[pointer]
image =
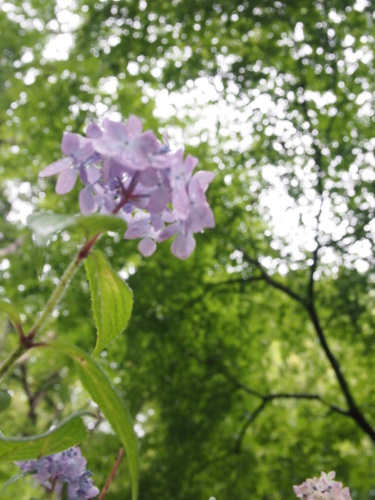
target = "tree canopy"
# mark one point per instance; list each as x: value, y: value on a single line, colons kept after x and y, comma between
x: 249, y: 366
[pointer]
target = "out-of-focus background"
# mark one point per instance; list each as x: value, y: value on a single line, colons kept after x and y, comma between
x: 249, y: 366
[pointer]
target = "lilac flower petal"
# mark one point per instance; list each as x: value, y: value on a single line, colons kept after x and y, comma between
x: 85, y: 150
x: 159, y: 195
x: 93, y: 131
x: 82, y: 172
x: 117, y: 130
x: 149, y: 177
x: 134, y: 125
x: 157, y: 223
x: 56, y: 167
x: 111, y: 169
x: 66, y: 181
x: 189, y: 165
x: 322, y: 487
x: 87, y: 201
x: 168, y: 232
x: 106, y: 146
x: 69, y: 144
x: 93, y: 174
x: 180, y: 203
x: 204, y: 177
x: 183, y: 246
x: 137, y: 229
x: 159, y: 199
x: 65, y: 470
x: 196, y: 192
x: 168, y: 216
x: 149, y: 142
x: 147, y: 247
x: 200, y: 217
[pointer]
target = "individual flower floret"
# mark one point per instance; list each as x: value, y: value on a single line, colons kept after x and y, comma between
x: 78, y: 150
x: 65, y: 468
x: 322, y: 488
x: 128, y: 172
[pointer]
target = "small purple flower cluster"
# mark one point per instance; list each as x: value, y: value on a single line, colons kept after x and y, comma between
x: 322, y: 488
x: 67, y: 467
x: 130, y: 173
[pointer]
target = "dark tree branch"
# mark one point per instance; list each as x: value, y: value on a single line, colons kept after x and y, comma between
x: 270, y: 280
x: 354, y: 410
x: 280, y: 395
x: 208, y: 287
x: 309, y: 305
x: 249, y: 420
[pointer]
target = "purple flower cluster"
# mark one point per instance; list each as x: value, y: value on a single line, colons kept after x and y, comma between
x: 130, y: 173
x: 67, y: 467
x: 322, y: 488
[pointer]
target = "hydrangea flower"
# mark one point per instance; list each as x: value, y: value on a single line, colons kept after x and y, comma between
x: 128, y: 172
x: 65, y: 468
x: 322, y: 488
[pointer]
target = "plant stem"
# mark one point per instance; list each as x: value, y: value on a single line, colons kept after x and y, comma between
x: 16, y: 354
x: 27, y: 342
x: 112, y: 474
x: 57, y: 293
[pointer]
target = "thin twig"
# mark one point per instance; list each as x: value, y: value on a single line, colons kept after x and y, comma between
x: 112, y: 474
x: 269, y: 279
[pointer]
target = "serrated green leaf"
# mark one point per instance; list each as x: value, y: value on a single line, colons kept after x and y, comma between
x: 11, y: 312
x: 5, y: 400
x: 67, y: 434
x: 112, y: 300
x: 100, y: 389
x: 96, y: 223
x: 44, y: 226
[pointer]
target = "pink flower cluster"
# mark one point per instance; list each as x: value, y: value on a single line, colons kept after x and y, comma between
x: 128, y: 172
x: 322, y: 488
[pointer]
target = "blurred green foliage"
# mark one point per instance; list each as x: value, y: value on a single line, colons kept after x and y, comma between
x: 292, y: 84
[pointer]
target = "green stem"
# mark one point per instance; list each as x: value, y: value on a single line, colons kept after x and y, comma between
x: 21, y: 349
x: 26, y: 342
x: 56, y: 295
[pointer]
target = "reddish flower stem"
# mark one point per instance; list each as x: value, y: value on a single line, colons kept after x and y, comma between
x: 112, y: 474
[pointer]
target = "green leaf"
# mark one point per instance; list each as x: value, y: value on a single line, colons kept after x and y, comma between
x: 67, y: 434
x: 96, y: 223
x: 15, y: 478
x: 11, y: 312
x: 44, y: 226
x: 112, y: 300
x: 100, y: 389
x: 4, y: 400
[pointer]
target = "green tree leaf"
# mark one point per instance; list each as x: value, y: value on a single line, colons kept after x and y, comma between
x: 11, y: 312
x: 96, y: 223
x: 44, y: 226
x: 15, y: 478
x: 112, y: 300
x: 100, y: 389
x: 67, y: 434
x: 4, y: 400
